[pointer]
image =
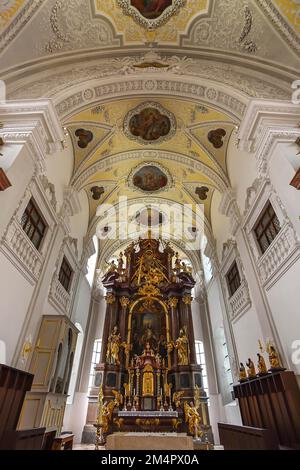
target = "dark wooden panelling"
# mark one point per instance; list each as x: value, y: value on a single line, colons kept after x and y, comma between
x: 247, y: 438
x: 272, y: 402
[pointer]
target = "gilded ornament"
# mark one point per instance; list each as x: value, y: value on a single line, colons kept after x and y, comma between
x: 124, y: 301
x: 110, y: 299
x: 187, y: 300
x: 149, y: 290
x: 173, y: 302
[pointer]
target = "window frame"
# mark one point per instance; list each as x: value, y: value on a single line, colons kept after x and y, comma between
x: 233, y: 289
x: 34, y: 224
x: 260, y: 223
x: 96, y: 356
x: 67, y: 276
x: 201, y: 361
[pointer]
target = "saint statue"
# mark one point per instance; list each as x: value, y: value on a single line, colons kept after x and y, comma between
x: 273, y: 358
x: 261, y: 365
x: 243, y: 374
x: 112, y: 267
x: 113, y: 347
x: 177, y: 265
x: 120, y: 264
x: 193, y: 419
x: 183, y: 348
x: 251, y: 369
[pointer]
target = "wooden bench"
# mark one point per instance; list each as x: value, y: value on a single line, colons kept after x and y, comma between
x: 63, y: 442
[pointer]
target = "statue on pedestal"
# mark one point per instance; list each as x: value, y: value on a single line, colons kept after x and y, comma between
x: 274, y: 358
x: 251, y: 369
x: 243, y: 374
x: 261, y: 365
x: 193, y: 419
x: 113, y: 347
x: 183, y: 348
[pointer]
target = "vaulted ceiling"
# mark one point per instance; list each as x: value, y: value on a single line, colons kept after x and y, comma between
x: 200, y: 61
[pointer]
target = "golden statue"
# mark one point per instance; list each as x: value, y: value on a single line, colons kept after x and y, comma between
x: 193, y: 419
x: 107, y: 411
x: 127, y: 349
x: 261, y: 365
x: 183, y: 348
x: 251, y: 369
x: 273, y: 358
x: 243, y: 373
x: 176, y: 399
x: 120, y: 263
x: 113, y: 347
x: 127, y: 390
x: 177, y: 265
x: 112, y: 267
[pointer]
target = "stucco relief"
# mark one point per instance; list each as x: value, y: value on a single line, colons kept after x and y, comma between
x: 73, y: 27
x: 50, y: 85
x: 220, y: 31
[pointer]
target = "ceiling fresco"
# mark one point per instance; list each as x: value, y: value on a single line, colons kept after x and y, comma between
x: 131, y: 21
x: 129, y: 168
x: 290, y: 10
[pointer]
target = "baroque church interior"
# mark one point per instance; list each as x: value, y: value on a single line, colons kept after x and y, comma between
x: 149, y: 224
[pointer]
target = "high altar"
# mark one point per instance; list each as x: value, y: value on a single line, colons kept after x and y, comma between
x: 148, y: 375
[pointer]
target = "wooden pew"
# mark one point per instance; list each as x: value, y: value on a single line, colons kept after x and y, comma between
x: 247, y: 438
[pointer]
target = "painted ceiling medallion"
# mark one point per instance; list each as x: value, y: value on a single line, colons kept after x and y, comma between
x: 149, y: 123
x: 150, y: 178
x: 151, y: 14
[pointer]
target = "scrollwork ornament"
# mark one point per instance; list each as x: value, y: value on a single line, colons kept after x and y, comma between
x: 110, y: 299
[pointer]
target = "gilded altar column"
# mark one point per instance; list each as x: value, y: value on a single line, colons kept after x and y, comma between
x: 108, y: 325
x: 187, y: 301
x: 124, y: 301
x: 173, y: 304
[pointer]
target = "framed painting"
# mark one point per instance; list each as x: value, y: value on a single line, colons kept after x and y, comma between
x: 151, y: 13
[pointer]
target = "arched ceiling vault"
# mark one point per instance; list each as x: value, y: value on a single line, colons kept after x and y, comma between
x: 201, y: 63
x: 191, y: 156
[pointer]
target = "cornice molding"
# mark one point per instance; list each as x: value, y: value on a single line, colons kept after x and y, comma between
x: 34, y: 124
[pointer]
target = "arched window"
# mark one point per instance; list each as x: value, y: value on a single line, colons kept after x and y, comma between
x: 91, y: 265
x: 200, y: 357
x: 76, y: 364
x: 95, y: 360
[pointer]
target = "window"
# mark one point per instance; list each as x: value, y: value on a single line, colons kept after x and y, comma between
x: 65, y: 275
x: 91, y: 265
x: 200, y: 357
x: 33, y: 224
x: 95, y: 360
x: 267, y: 228
x: 233, y: 279
x: 227, y: 365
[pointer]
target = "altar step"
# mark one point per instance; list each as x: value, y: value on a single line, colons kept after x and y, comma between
x: 149, y: 441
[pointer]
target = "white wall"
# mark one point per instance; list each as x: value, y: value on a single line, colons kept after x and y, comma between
x: 15, y: 294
